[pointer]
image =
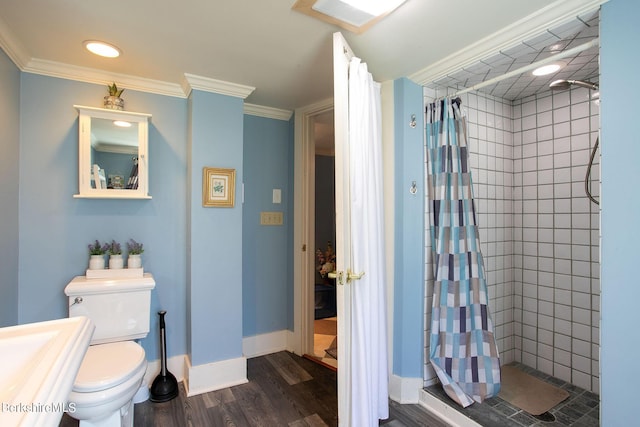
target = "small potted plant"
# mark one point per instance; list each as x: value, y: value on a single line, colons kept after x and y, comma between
x: 113, y: 100
x: 96, y: 255
x: 115, y: 255
x: 134, y: 249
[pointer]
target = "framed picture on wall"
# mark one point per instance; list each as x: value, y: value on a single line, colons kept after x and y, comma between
x: 218, y: 187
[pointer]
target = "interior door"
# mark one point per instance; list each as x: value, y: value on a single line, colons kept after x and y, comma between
x: 342, y: 54
x: 362, y: 343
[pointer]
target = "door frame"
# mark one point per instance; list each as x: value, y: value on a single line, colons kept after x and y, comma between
x: 304, y: 226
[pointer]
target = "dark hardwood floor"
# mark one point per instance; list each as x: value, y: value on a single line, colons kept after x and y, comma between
x: 283, y: 390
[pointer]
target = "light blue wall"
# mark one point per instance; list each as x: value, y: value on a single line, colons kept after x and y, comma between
x: 408, y: 312
x: 195, y: 253
x: 267, y: 250
x: 620, y: 346
x: 55, y: 228
x: 9, y: 186
x: 215, y: 261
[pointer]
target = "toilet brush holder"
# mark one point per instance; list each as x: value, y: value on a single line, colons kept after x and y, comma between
x: 165, y: 386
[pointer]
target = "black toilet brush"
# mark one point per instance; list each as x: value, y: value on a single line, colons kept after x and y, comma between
x: 165, y: 386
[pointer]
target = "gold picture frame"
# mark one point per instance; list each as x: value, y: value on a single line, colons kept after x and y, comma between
x: 218, y: 187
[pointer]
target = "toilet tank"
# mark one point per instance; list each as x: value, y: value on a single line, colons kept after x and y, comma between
x: 119, y: 308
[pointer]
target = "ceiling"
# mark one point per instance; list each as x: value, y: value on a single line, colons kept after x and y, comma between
x: 573, y: 34
x: 285, y: 55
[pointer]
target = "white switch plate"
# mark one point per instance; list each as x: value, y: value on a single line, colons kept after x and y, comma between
x: 277, y: 195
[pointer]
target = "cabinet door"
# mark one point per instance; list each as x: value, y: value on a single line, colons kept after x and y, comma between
x: 113, y: 158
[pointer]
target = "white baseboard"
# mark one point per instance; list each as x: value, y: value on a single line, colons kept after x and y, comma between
x: 175, y: 365
x: 405, y: 390
x: 272, y: 342
x: 445, y: 412
x: 214, y: 376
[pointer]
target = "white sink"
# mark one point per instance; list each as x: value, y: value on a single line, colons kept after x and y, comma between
x: 38, y: 365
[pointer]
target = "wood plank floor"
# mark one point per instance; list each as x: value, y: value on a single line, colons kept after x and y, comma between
x: 283, y: 390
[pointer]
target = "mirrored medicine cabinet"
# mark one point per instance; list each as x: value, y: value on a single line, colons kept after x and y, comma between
x: 113, y: 157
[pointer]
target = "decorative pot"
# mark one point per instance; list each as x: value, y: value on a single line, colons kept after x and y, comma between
x: 96, y: 262
x: 134, y: 261
x: 116, y: 262
x: 113, y: 102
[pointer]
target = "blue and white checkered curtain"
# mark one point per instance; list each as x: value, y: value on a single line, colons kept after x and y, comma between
x: 463, y: 350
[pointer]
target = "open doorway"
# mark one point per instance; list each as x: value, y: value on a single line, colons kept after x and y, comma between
x: 324, y: 231
x: 314, y: 132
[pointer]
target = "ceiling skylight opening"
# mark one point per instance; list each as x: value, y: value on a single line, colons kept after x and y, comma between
x: 354, y: 15
x: 102, y: 49
x: 374, y: 7
x: 547, y: 69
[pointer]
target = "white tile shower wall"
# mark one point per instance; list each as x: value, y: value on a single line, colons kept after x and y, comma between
x: 555, y: 251
x: 539, y: 233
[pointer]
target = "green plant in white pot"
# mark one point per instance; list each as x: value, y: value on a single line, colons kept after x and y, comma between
x: 96, y: 255
x: 113, y: 101
x: 134, y: 249
x: 115, y: 255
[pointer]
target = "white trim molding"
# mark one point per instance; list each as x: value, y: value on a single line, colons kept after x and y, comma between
x: 206, y: 84
x: 12, y: 47
x: 405, y: 390
x: 93, y: 75
x: 214, y: 376
x: 268, y: 112
x: 555, y: 14
x: 304, y: 218
x: 446, y: 413
x: 272, y: 342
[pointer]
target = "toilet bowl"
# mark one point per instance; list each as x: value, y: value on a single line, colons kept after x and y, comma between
x: 113, y: 368
x: 109, y: 377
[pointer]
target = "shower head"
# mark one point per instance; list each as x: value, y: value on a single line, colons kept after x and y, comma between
x: 566, y: 84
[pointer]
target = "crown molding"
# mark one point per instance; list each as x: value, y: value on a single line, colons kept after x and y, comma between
x: 555, y: 14
x: 268, y: 112
x: 12, y: 47
x: 92, y: 75
x: 23, y: 60
x: 191, y: 82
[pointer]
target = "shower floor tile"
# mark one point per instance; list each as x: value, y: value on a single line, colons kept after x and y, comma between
x: 581, y: 409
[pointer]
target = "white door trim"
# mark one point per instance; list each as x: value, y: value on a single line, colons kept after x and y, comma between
x: 304, y: 225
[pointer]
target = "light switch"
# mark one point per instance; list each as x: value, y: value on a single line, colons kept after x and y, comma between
x: 277, y: 195
x: 271, y: 218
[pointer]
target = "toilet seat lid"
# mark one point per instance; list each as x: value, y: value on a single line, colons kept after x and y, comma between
x: 107, y: 365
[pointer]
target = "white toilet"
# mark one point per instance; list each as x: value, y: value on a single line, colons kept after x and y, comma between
x: 114, y: 365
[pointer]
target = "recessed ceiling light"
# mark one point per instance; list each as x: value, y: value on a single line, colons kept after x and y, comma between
x: 122, y: 123
x: 546, y: 69
x: 101, y: 48
x: 558, y: 47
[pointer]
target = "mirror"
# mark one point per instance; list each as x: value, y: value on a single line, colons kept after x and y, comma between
x: 113, y: 155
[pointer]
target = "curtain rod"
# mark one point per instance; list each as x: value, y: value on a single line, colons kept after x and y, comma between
x: 529, y: 67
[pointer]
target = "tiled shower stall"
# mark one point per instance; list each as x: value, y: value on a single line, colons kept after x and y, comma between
x: 539, y: 232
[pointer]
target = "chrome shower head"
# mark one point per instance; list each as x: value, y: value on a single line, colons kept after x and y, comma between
x: 566, y: 84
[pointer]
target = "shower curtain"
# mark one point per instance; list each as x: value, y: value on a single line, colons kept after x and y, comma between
x: 369, y: 379
x: 463, y: 350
